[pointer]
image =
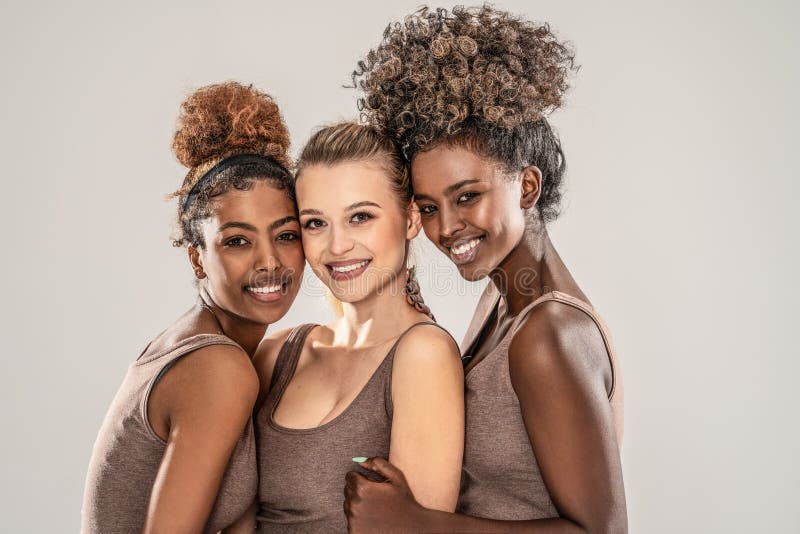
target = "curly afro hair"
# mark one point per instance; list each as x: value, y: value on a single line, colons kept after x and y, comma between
x: 478, y: 77
x: 219, y: 121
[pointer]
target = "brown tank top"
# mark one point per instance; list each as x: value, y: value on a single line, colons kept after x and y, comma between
x: 127, y: 454
x: 501, y: 478
x: 302, y: 471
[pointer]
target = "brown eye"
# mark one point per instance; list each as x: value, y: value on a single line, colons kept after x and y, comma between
x: 466, y: 197
x: 361, y: 217
x: 236, y: 242
x: 288, y: 236
x: 427, y: 209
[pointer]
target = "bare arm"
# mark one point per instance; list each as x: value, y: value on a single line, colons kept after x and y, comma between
x: 427, y: 440
x: 559, y: 369
x: 205, y: 401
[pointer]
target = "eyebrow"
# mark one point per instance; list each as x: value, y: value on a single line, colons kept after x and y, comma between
x: 281, y: 222
x: 353, y: 206
x: 251, y: 228
x: 362, y: 204
x: 236, y: 224
x: 456, y: 186
x: 459, y: 185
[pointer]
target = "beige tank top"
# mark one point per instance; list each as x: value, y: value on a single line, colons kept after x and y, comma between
x: 501, y: 478
x: 128, y: 452
x: 302, y: 471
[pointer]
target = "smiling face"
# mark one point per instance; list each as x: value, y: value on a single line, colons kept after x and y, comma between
x: 355, y: 231
x: 252, y: 255
x: 470, y: 207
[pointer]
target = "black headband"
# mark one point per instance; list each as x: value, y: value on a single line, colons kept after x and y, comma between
x: 225, y: 164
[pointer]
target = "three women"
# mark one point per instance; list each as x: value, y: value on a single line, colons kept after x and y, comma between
x: 464, y: 95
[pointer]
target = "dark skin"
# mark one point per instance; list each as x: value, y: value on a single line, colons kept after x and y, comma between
x: 558, y: 361
x: 201, y: 405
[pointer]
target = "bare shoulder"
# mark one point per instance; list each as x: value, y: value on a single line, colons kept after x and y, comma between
x: 427, y: 344
x: 215, y: 374
x: 426, y: 350
x: 558, y: 342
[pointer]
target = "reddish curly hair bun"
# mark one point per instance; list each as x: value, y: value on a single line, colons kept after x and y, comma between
x: 224, y: 119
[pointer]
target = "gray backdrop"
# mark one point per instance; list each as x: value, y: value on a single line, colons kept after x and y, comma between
x: 679, y: 224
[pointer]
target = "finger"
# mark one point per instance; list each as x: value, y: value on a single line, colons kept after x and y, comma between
x: 351, y: 483
x: 384, y: 468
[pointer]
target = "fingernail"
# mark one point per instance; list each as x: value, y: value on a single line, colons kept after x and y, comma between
x: 360, y: 459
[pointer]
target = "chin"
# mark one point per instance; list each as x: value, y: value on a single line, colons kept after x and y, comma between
x: 473, y: 274
x: 348, y: 298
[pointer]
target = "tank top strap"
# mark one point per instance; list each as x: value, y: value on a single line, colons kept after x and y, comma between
x: 586, y: 308
x: 487, y: 304
x: 185, y: 346
x: 286, y: 363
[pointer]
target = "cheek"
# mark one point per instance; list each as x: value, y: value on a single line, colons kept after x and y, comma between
x: 312, y: 247
x: 389, y: 240
x: 430, y: 225
x: 510, y: 221
x: 224, y: 269
x: 292, y: 257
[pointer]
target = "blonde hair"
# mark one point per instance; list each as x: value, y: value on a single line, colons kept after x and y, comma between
x: 349, y: 141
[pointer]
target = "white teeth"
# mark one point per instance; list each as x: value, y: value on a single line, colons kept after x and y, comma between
x: 348, y: 268
x: 466, y: 247
x: 266, y: 289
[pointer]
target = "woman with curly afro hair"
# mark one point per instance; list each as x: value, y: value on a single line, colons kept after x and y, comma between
x: 465, y: 93
x: 176, y: 452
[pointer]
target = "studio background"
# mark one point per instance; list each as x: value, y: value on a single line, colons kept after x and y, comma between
x: 679, y: 222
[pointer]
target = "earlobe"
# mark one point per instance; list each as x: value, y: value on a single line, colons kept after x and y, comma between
x: 196, y: 262
x: 414, y: 221
x: 531, y: 187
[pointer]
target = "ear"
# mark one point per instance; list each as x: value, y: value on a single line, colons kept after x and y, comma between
x: 196, y: 261
x: 414, y: 220
x: 531, y: 184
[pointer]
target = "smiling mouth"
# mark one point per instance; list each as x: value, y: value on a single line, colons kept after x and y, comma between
x: 347, y: 270
x: 268, y: 292
x: 464, y: 250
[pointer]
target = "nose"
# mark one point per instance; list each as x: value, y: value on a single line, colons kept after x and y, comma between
x: 340, y: 243
x: 266, y: 259
x: 450, y: 223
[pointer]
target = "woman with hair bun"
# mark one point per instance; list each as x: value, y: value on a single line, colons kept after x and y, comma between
x: 176, y: 451
x: 383, y: 379
x: 465, y: 93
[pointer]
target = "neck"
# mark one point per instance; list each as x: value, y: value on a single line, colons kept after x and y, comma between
x: 246, y: 333
x: 376, y: 318
x: 531, y: 269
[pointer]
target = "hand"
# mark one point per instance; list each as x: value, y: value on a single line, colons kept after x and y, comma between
x: 387, y: 506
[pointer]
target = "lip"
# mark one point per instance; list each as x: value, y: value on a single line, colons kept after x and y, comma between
x: 272, y: 296
x: 468, y: 256
x: 349, y: 275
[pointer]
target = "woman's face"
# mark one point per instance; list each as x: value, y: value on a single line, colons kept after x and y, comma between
x: 470, y: 208
x: 252, y: 258
x: 354, y: 230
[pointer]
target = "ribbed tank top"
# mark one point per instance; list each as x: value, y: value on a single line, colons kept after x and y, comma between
x: 127, y: 454
x: 500, y: 478
x: 302, y: 471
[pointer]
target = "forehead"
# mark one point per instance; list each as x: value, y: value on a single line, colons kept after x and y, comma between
x: 262, y: 202
x: 434, y: 170
x: 334, y: 187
